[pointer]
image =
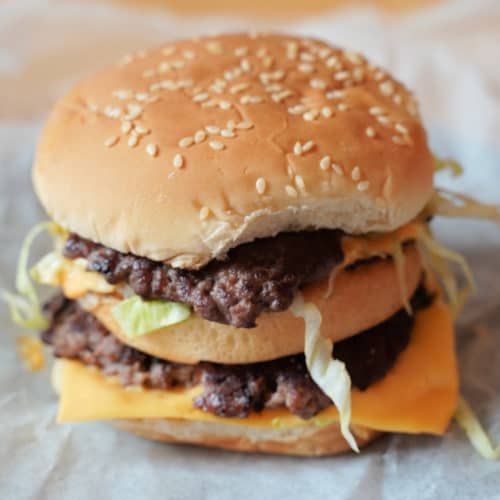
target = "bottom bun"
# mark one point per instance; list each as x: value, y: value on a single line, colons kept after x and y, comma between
x: 307, y: 441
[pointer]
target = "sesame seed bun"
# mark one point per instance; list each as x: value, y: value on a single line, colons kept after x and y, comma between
x: 372, y: 288
x: 307, y: 440
x: 183, y: 152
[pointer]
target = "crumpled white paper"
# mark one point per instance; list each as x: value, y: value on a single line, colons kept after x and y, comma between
x: 450, y: 56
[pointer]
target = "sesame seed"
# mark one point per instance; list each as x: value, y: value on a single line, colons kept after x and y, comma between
x: 209, y: 104
x: 332, y: 61
x: 358, y: 74
x: 155, y: 86
x: 363, y: 185
x: 317, y: 83
x: 227, y: 133
x: 379, y: 75
x: 305, y: 68
x: 335, y: 94
x: 188, y: 54
x: 307, y: 57
x: 152, y: 149
x: 202, y: 96
x: 251, y: 99
x: 240, y: 51
x: 112, y: 111
x: 185, y: 83
x: 212, y: 129
x: 297, y: 109
x: 273, y: 87
x: 396, y: 139
x: 133, y: 141
x: 370, y: 131
x: 290, y: 171
x: 185, y: 142
x: 326, y: 111
x: 341, y: 75
x: 280, y: 96
x: 199, y: 136
x: 141, y: 96
x: 231, y: 124
x: 324, y: 163
x: 291, y: 191
x: 384, y: 120
x: 386, y: 88
x: 214, y: 47
x: 244, y: 125
x: 216, y: 145
x: 308, y: 146
x: 268, y: 61
x: 342, y: 106
x: 356, y: 173
x: 374, y: 110
x: 126, y: 127
x: 297, y: 149
x: 245, y: 65
x: 164, y: 66
x: 397, y: 99
x: 401, y: 128
x: 299, y: 182
x: 168, y: 51
x: 204, y: 213
x: 122, y: 94
x: 262, y: 52
x: 168, y: 85
x: 225, y: 105
x: 141, y: 129
x: 354, y: 57
x: 260, y: 185
x: 337, y: 169
x: 111, y: 141
x: 310, y: 115
x: 178, y: 161
x: 238, y: 87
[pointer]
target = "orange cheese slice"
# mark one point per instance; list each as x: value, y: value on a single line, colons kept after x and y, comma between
x: 418, y: 395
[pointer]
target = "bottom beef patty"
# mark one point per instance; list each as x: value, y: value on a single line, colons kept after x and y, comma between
x: 230, y: 390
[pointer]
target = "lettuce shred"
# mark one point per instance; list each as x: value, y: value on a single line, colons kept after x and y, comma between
x: 138, y: 317
x: 330, y: 374
x: 451, y: 204
x: 24, y: 307
x: 475, y: 432
x: 453, y: 166
x: 440, y: 257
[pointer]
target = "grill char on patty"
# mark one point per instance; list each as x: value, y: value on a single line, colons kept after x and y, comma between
x: 254, y: 278
x: 230, y: 390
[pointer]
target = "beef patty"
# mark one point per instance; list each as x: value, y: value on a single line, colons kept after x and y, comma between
x: 230, y: 390
x: 255, y: 277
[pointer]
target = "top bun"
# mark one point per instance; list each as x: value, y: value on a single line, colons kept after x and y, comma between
x: 183, y: 152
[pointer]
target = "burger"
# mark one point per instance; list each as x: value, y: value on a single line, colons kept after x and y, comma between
x: 241, y: 240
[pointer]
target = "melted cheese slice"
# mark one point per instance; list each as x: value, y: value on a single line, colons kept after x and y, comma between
x: 418, y: 395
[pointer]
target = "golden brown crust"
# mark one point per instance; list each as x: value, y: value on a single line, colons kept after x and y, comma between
x: 369, y: 166
x: 372, y: 288
x: 308, y: 441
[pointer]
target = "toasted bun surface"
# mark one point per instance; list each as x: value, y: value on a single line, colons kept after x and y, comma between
x: 361, y: 298
x: 186, y: 151
x: 301, y: 441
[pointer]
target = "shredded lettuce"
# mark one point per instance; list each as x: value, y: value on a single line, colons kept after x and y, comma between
x: 453, y: 166
x: 475, y: 432
x: 24, y: 306
x: 440, y: 256
x: 451, y: 204
x: 330, y: 374
x: 138, y: 317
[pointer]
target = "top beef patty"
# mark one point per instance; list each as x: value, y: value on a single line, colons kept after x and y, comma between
x: 256, y: 277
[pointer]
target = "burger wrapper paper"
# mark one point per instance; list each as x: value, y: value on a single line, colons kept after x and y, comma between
x: 449, y: 55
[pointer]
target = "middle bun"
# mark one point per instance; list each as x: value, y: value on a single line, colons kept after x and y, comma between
x: 371, y: 287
